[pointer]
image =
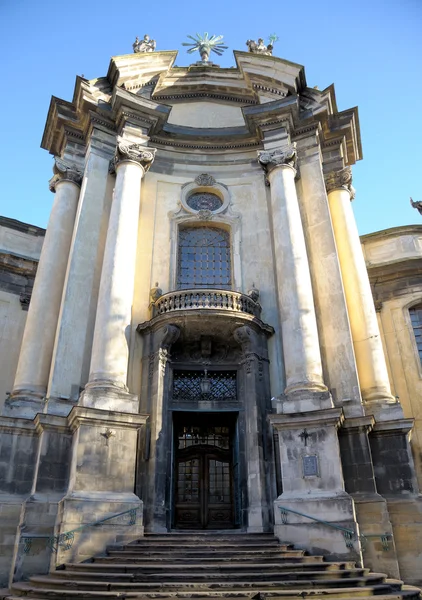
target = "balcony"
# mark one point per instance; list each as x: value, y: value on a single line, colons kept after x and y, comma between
x: 215, y: 300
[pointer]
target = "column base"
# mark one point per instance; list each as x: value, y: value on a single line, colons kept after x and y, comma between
x: 303, y: 400
x: 384, y: 409
x: 319, y: 538
x: 61, y: 407
x: 24, y: 404
x: 109, y: 397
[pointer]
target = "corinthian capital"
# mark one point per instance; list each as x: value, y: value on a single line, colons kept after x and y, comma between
x: 127, y: 152
x: 270, y: 159
x: 64, y: 172
x: 340, y: 180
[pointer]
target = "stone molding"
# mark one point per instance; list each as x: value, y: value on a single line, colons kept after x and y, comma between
x: 318, y: 418
x: 340, y: 180
x: 136, y: 153
x: 64, y: 172
x: 280, y: 157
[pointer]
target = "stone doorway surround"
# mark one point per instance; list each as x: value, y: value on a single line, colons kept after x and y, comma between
x: 191, y: 337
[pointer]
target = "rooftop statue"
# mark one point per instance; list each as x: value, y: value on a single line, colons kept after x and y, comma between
x: 417, y: 205
x: 260, y: 48
x: 205, y: 45
x: 145, y: 45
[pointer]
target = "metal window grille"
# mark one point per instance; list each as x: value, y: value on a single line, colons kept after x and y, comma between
x: 416, y: 319
x: 187, y: 386
x: 204, y: 201
x: 204, y: 259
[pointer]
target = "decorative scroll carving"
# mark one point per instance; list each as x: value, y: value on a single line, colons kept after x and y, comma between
x: 417, y: 205
x: 247, y: 339
x: 64, y: 172
x: 271, y: 159
x: 171, y: 335
x: 204, y: 215
x: 125, y: 151
x: 340, y: 180
x: 155, y: 293
x: 145, y: 45
x: 205, y: 180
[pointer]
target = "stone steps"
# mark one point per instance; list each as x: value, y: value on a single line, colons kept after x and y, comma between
x: 186, y: 566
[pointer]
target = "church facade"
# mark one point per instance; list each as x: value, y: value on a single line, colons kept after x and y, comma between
x: 208, y: 343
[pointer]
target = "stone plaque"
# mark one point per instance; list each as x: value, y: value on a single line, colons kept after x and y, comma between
x: 310, y: 465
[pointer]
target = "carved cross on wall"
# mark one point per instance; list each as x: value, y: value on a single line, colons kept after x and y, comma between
x: 304, y: 436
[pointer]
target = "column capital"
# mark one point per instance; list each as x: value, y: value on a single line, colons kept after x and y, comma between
x: 64, y: 172
x: 137, y: 153
x: 340, y: 180
x: 279, y: 157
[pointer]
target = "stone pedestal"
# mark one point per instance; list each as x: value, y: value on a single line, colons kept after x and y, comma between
x: 378, y: 545
x: 18, y: 453
x: 31, y: 378
x: 101, y: 483
x: 313, y: 486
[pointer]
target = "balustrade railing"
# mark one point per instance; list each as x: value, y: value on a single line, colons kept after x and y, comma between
x: 224, y: 300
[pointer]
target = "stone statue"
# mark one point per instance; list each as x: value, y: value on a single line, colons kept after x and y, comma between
x: 145, y: 45
x: 260, y: 48
x: 205, y: 45
x: 417, y: 205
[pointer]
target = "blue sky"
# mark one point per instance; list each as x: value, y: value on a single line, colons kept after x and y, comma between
x: 370, y: 49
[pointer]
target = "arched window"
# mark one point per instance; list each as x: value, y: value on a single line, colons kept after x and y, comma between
x: 416, y: 319
x: 204, y: 259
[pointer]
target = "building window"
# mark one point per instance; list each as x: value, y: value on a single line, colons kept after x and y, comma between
x: 204, y: 259
x: 416, y: 319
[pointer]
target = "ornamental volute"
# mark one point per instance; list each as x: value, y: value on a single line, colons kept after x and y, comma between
x: 64, y: 172
x: 340, y: 180
x: 279, y: 157
x: 136, y: 153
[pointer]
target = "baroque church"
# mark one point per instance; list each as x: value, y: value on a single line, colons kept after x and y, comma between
x: 200, y: 341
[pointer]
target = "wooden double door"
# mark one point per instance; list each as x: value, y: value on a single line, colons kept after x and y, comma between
x: 204, y: 488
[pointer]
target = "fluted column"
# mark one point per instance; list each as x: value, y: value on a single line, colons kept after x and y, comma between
x: 370, y: 360
x: 38, y: 340
x: 297, y: 312
x: 110, y: 351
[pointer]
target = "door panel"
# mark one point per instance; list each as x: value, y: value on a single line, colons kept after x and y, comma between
x: 204, y: 489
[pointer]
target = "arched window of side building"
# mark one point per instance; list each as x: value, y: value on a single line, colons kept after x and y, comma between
x: 204, y: 258
x: 416, y: 320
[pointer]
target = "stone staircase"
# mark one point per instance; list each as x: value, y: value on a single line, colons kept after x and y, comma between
x: 211, y: 566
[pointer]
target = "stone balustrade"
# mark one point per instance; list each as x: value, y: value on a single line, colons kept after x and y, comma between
x: 205, y: 299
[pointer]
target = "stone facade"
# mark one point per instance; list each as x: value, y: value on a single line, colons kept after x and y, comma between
x: 202, y: 349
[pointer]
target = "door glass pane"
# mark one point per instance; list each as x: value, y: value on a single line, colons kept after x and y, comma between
x: 219, y: 482
x: 188, y: 481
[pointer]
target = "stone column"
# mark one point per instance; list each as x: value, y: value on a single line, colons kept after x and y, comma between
x: 110, y: 349
x: 302, y: 356
x: 37, y: 345
x: 370, y: 360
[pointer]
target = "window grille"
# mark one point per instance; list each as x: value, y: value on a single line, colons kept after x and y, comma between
x: 204, y: 201
x: 416, y: 319
x: 187, y: 386
x: 204, y: 259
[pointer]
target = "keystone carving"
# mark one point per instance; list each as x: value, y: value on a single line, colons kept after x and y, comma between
x: 205, y: 180
x: 340, y: 180
x: 270, y: 159
x: 64, y: 172
x: 125, y: 151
